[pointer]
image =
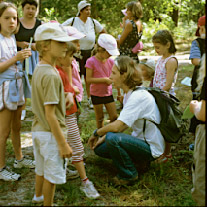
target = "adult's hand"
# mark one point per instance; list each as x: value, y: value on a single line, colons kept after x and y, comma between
x: 92, y: 141
x: 100, y: 141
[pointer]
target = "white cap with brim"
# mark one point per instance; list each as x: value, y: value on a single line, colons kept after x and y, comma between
x: 148, y: 62
x: 82, y: 5
x: 108, y: 42
x: 52, y: 31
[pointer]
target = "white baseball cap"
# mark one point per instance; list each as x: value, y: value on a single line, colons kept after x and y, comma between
x: 108, y: 42
x: 73, y: 32
x: 81, y: 5
x: 52, y: 31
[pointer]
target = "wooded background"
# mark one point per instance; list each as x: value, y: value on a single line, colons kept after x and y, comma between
x: 179, y: 16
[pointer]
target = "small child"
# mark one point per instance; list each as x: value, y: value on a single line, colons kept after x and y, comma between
x: 76, y: 80
x: 98, y: 71
x: 196, y: 52
x: 166, y: 71
x: 73, y: 135
x: 48, y: 105
x: 148, y: 69
x: 14, y: 88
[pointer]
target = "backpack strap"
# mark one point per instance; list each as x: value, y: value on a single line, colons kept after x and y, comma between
x: 93, y: 24
x: 72, y: 21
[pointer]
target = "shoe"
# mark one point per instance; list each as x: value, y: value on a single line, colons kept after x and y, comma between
x: 191, y: 147
x: 90, y: 105
x: 120, y: 182
x: 24, y: 163
x: 72, y: 174
x: 23, y: 115
x: 39, y: 199
x: 89, y: 190
x: 7, y: 175
x: 163, y: 158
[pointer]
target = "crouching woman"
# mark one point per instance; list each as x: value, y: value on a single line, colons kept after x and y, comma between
x: 146, y: 142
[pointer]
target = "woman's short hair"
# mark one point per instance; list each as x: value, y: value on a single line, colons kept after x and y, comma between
x: 163, y: 37
x: 128, y: 66
x: 136, y: 8
x: 31, y: 2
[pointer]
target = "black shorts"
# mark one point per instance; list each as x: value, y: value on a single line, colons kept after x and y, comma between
x: 102, y: 100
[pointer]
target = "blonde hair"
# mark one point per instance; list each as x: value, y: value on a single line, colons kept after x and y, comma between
x: 40, y: 45
x: 128, y: 66
x: 136, y: 8
x: 201, y: 73
x: 71, y: 48
x: 4, y: 6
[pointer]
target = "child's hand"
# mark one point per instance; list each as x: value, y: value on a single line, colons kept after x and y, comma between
x: 194, y: 104
x: 23, y: 54
x: 108, y: 81
x: 76, y: 90
x: 69, y: 100
x: 65, y: 150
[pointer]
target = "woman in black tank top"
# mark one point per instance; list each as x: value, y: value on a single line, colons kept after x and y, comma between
x: 27, y: 27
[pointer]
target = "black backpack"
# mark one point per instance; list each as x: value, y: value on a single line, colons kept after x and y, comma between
x: 171, y: 126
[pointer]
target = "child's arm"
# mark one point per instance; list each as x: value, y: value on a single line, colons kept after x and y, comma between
x: 90, y: 79
x: 195, y: 61
x: 171, y: 67
x: 126, y: 31
x: 64, y: 148
x: 21, y: 55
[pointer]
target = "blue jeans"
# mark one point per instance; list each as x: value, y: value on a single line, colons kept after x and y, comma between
x: 124, y: 150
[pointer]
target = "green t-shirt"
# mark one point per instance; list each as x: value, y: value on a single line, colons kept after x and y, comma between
x: 47, y: 89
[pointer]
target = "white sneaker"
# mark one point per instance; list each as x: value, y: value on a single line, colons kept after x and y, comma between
x: 89, y: 190
x: 23, y: 115
x: 72, y: 174
x: 90, y: 105
x: 7, y: 175
x: 39, y: 199
x: 24, y: 163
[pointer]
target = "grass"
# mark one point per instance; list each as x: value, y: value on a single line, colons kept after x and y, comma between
x: 167, y: 184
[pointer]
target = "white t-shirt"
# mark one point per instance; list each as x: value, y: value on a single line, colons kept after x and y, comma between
x: 8, y: 49
x: 86, y: 28
x: 138, y: 106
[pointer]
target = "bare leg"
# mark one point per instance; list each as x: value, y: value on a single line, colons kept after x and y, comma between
x: 87, y: 87
x: 48, y: 192
x: 5, y: 123
x: 111, y: 109
x: 81, y: 169
x: 99, y: 115
x: 167, y: 148
x: 39, y: 180
x: 15, y: 129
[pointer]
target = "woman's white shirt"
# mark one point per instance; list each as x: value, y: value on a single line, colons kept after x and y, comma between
x: 86, y: 28
x: 140, y: 105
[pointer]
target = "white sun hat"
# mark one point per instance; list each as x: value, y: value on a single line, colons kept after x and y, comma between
x: 81, y: 5
x: 52, y: 31
x: 108, y: 42
x: 73, y: 32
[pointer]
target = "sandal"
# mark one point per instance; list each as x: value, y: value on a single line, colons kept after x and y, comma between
x: 161, y: 159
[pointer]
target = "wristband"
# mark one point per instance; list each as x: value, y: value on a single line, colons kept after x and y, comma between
x: 95, y: 133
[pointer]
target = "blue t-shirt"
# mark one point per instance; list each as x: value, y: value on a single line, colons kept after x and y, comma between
x: 195, y: 51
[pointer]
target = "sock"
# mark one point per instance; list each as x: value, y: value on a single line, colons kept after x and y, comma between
x: 85, y: 180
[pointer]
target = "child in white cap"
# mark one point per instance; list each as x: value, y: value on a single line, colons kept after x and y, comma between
x: 98, y: 71
x: 48, y: 105
x: 148, y: 69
